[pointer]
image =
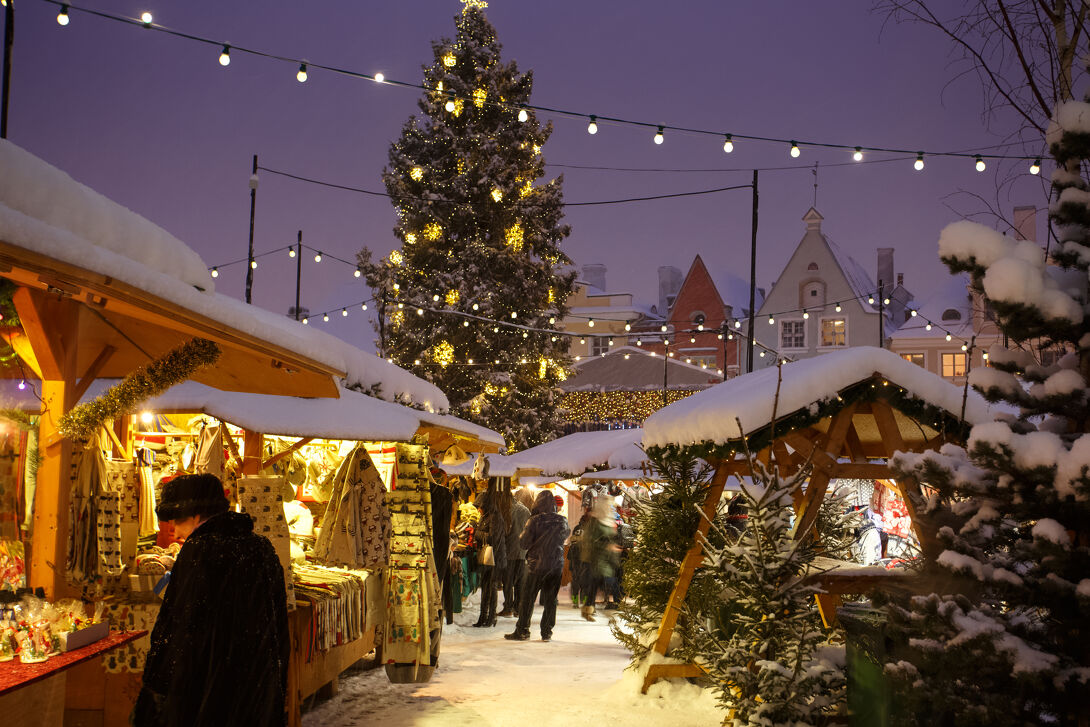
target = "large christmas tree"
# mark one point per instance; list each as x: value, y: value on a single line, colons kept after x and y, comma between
x: 471, y: 299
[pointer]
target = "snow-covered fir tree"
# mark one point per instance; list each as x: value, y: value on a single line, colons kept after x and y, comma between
x: 471, y: 299
x: 1003, y: 639
x: 665, y: 526
x: 764, y: 646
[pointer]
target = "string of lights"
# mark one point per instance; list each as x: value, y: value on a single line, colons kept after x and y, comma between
x: 305, y: 67
x: 292, y: 252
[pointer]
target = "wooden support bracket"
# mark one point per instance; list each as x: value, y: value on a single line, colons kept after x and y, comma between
x: 287, y: 452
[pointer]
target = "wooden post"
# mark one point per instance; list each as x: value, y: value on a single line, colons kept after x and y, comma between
x: 689, y: 564
x: 253, y: 448
x: 51, y: 324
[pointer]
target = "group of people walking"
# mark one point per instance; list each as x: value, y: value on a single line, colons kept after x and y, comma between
x: 520, y: 549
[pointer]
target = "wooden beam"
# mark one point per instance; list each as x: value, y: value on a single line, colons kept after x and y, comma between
x: 690, y: 562
x: 286, y: 453
x: 23, y: 349
x: 819, y: 481
x: 887, y: 427
x: 827, y: 604
x: 40, y: 313
x: 855, y: 445
x: 231, y: 444
x: 92, y: 372
x: 859, y: 470
x: 253, y: 446
x: 670, y: 671
x: 117, y: 441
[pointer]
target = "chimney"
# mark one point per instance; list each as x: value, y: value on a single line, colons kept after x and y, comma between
x: 900, y: 280
x: 595, y: 275
x: 885, y: 268
x: 1025, y: 223
x: 669, y: 285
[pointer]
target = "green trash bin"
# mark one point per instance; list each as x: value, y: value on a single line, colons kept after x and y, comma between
x: 867, y: 652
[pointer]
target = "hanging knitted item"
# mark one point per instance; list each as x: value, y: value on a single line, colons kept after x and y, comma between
x: 356, y: 527
x: 262, y: 499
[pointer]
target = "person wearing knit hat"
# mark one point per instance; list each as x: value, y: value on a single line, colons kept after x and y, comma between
x: 219, y: 648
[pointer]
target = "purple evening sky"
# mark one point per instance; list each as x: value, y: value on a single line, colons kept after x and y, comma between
x: 156, y: 124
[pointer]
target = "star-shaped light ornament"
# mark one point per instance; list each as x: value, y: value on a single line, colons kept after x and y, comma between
x: 468, y: 5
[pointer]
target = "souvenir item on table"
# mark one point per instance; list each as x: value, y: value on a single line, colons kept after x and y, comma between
x: 413, y: 623
x: 339, y: 608
x: 262, y: 499
x: 12, y: 565
x: 356, y: 526
x: 7, y: 645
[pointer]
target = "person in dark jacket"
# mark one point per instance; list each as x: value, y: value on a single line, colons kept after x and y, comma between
x: 495, y: 507
x: 516, y: 559
x: 219, y: 648
x: 543, y: 538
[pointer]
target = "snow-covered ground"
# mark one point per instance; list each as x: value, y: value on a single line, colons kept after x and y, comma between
x: 483, y: 680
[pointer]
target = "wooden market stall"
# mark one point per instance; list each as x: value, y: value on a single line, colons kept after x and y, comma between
x: 280, y: 437
x: 844, y: 415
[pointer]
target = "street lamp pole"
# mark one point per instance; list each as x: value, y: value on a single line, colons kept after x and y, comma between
x: 250, y: 256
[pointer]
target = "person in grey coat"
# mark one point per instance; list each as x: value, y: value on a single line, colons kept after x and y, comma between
x: 543, y: 539
x: 516, y: 560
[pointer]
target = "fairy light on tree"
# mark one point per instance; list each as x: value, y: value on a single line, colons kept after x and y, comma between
x: 489, y: 248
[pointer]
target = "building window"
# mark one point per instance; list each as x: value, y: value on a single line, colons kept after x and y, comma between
x: 599, y: 345
x: 812, y: 294
x: 916, y: 358
x: 702, y: 360
x: 792, y: 334
x: 812, y: 266
x: 1051, y: 356
x: 950, y: 314
x: 953, y: 365
x: 834, y: 332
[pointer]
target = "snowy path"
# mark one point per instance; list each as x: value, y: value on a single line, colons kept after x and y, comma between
x: 483, y: 680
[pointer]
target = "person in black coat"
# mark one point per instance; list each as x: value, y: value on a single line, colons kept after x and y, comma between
x: 543, y: 538
x: 495, y: 507
x: 219, y: 648
x: 516, y: 559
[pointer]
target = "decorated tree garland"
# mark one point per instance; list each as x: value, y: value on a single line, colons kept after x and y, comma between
x: 147, y: 381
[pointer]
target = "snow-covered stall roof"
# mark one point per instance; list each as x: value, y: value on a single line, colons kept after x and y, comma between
x: 710, y: 416
x: 352, y: 416
x: 575, y: 453
x: 630, y: 368
x: 567, y: 455
x: 46, y: 212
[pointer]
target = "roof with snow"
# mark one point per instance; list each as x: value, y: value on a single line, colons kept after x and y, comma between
x: 569, y: 455
x: 952, y: 298
x: 631, y: 368
x: 810, y: 390
x: 56, y: 231
x: 352, y: 416
x: 734, y: 291
x: 857, y: 276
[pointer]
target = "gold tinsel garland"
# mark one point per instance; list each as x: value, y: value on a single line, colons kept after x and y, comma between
x: 147, y: 381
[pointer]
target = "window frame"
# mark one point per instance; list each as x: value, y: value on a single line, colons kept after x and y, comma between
x: 923, y: 358
x: 954, y: 356
x: 821, y: 332
x: 784, y: 322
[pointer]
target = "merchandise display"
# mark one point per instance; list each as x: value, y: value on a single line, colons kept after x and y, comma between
x: 33, y: 630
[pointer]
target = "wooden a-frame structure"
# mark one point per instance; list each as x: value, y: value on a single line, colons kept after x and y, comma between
x: 851, y: 436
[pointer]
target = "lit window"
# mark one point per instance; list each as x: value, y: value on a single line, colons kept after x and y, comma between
x: 792, y: 334
x: 599, y: 345
x: 834, y: 332
x: 916, y: 358
x: 953, y: 365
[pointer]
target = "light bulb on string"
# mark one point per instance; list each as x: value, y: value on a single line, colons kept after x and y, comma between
x: 885, y: 301
x: 592, y: 127
x: 700, y: 327
x: 306, y: 321
x: 590, y: 323
x: 857, y: 155
x: 870, y: 299
x: 215, y: 273
x: 318, y: 257
x: 913, y: 313
x: 379, y: 77
x: 523, y: 116
x: 420, y: 311
x: 738, y: 324
x: 1035, y: 168
x: 728, y: 144
x: 771, y: 321
x: 805, y: 315
x: 928, y: 326
x: 146, y: 19
x: 918, y: 164
x: 964, y: 347
x: 363, y: 306
x: 449, y: 106
x: 291, y: 252
x: 795, y: 151
x: 838, y: 307
x: 980, y: 165
x: 435, y: 298
x: 325, y: 317
x: 357, y: 273
x: 658, y: 136
x: 344, y: 312
x: 301, y: 76
x: 225, y: 56
x: 663, y: 328
x: 62, y: 16
x: 465, y: 324
x: 949, y: 337
x: 639, y: 341
x: 628, y: 326
x: 253, y: 264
